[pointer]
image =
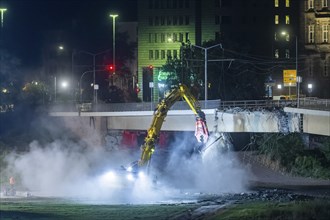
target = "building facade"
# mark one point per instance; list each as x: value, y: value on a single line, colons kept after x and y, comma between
x: 315, y: 36
x: 276, y: 37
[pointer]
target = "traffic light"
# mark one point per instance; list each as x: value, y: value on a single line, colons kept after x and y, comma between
x: 111, y: 68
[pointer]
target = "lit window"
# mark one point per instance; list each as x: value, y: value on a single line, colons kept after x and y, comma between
x: 325, y: 33
x: 287, y: 3
x: 311, y: 33
x: 276, y: 19
x: 324, y: 3
x: 310, y: 4
x: 276, y: 3
x: 287, y: 53
x: 169, y: 38
x: 287, y: 19
x: 276, y: 54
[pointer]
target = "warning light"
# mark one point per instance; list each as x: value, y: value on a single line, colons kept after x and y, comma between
x: 111, y: 68
x: 151, y: 67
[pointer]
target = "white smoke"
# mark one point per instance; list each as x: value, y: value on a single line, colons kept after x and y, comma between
x: 216, y: 170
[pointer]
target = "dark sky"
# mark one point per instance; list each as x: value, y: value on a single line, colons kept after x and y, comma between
x: 25, y: 20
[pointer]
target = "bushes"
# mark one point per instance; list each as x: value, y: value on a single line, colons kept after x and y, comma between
x: 289, y: 151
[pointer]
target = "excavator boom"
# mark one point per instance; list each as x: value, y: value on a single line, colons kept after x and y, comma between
x: 160, y: 113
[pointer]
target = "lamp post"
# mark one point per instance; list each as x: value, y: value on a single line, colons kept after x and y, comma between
x: 114, y: 40
x: 205, y: 66
x: 2, y: 12
x: 94, y: 70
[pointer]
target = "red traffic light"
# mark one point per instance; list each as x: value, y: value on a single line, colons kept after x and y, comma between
x: 111, y: 68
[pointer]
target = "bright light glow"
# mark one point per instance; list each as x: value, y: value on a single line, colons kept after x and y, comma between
x: 310, y: 86
x: 129, y: 169
x: 110, y: 175
x: 161, y: 85
x: 141, y: 174
x: 2, y: 11
x: 64, y: 84
x: 130, y: 177
x: 279, y: 86
x: 113, y: 16
x: 4, y: 90
x: 283, y: 33
x: 60, y: 47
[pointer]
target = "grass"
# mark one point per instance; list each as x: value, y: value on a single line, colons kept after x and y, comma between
x: 317, y: 209
x: 52, y: 209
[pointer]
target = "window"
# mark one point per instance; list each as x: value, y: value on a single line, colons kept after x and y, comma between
x: 276, y: 3
x: 156, y: 21
x: 162, y: 37
x: 187, y: 36
x: 175, y: 54
x: 181, y: 37
x: 175, y: 20
x: 326, y: 69
x: 168, y: 3
x: 310, y: 33
x: 276, y: 19
x: 150, y: 4
x: 287, y: 53
x: 287, y: 19
x: 150, y: 38
x: 180, y: 20
x: 276, y: 54
x: 175, y: 37
x: 175, y: 3
x: 275, y: 36
x: 151, y: 54
x: 169, y: 20
x: 310, y: 4
x: 150, y: 21
x: 324, y: 3
x: 187, y: 20
x: 162, y: 54
x: 162, y: 20
x: 156, y: 3
x: 180, y: 3
x: 156, y: 54
x: 169, y: 54
x: 217, y: 36
x: 325, y: 33
x: 155, y: 37
x: 287, y: 3
x: 311, y: 67
x: 169, y: 38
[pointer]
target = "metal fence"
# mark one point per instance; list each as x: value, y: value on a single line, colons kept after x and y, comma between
x: 306, y: 103
x: 121, y: 107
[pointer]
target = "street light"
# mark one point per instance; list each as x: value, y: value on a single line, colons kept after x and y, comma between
x: 114, y: 40
x: 2, y: 11
x: 94, y: 56
x: 205, y: 65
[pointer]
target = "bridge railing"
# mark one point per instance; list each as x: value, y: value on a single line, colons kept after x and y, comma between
x: 253, y: 104
x: 314, y: 103
x: 120, y: 107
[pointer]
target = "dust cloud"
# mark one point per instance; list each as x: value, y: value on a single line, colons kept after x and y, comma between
x: 64, y: 168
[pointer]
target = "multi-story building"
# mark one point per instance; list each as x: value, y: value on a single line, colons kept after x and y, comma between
x: 316, y: 55
x: 278, y: 37
x: 163, y: 26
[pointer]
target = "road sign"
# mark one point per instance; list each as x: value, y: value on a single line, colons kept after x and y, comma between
x: 289, y: 77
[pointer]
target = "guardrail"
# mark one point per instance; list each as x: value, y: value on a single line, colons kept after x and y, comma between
x: 307, y: 103
x: 121, y: 107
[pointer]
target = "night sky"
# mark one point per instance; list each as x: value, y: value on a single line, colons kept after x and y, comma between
x: 25, y: 20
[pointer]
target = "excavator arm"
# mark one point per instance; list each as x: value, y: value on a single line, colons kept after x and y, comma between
x: 160, y: 113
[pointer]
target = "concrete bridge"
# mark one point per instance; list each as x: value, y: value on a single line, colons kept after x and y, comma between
x: 312, y: 116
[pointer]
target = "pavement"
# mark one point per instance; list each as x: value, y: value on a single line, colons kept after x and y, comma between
x: 265, y: 176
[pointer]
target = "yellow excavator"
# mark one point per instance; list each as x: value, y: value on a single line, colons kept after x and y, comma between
x: 201, y: 131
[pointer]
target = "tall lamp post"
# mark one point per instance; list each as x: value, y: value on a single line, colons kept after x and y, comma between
x: 114, y: 41
x: 2, y: 11
x: 94, y: 64
x: 205, y: 66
